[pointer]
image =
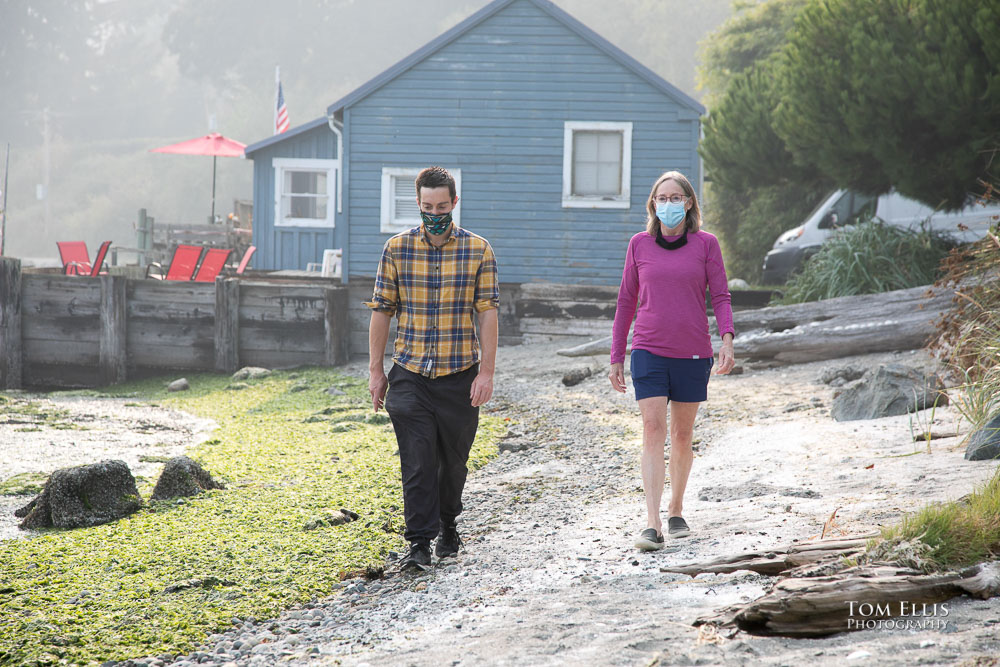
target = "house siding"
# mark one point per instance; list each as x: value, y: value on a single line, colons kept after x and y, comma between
x: 291, y: 247
x: 492, y: 103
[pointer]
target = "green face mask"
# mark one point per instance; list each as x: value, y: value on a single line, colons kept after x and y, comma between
x: 436, y: 224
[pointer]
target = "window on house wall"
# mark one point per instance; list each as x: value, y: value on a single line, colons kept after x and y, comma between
x: 304, y: 192
x: 597, y: 164
x: 399, y: 211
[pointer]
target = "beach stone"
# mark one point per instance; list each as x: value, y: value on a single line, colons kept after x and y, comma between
x: 251, y: 373
x: 886, y: 391
x: 513, y: 445
x: 984, y: 444
x: 576, y: 376
x: 82, y: 496
x: 738, y: 283
x: 840, y: 375
x: 179, y: 385
x: 337, y: 519
x: 183, y: 476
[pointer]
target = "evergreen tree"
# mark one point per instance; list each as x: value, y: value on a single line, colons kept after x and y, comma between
x: 756, y: 191
x: 895, y: 93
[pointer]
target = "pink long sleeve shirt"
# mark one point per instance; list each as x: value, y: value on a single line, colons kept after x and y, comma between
x: 669, y: 286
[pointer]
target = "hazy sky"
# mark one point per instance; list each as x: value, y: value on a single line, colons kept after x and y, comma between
x: 119, y: 77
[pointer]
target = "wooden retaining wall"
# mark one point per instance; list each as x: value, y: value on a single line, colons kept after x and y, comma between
x: 76, y: 331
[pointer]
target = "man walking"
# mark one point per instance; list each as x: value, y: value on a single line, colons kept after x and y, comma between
x: 437, y: 279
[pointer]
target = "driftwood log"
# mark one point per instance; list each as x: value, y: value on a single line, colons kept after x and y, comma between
x: 858, y: 598
x: 819, y: 595
x: 830, y: 329
x: 778, y: 561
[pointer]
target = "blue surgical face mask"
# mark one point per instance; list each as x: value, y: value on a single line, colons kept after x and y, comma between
x: 671, y: 214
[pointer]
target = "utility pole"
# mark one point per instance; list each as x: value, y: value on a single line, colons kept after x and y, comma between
x: 46, y: 167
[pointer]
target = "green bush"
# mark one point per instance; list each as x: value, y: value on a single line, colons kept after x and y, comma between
x: 868, y: 258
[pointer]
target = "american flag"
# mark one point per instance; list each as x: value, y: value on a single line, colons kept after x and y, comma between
x: 281, y: 123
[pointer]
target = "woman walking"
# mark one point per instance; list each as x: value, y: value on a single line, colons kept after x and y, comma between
x: 667, y: 268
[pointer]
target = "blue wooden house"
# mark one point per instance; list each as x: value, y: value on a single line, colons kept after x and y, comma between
x: 554, y: 135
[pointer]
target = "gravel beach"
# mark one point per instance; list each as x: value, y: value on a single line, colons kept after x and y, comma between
x: 548, y: 574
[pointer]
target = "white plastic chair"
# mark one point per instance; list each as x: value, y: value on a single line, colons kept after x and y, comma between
x: 332, y: 258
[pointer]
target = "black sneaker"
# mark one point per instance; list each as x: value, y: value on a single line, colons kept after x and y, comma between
x: 677, y: 527
x: 418, y: 558
x: 649, y: 540
x: 448, y: 541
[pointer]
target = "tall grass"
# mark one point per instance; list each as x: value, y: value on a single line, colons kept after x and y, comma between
x: 969, y: 334
x: 945, y: 536
x: 868, y: 258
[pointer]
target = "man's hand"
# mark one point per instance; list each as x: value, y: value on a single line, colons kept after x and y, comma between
x: 727, y: 358
x: 482, y: 389
x: 617, y: 377
x: 378, y: 383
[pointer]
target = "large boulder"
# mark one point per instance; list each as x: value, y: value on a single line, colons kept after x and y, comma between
x: 82, y: 496
x: 984, y: 444
x: 887, y: 390
x: 182, y: 476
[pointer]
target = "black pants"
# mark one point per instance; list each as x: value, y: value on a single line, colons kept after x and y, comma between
x: 435, y: 425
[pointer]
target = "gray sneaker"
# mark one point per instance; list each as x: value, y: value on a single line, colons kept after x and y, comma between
x: 649, y: 540
x: 677, y: 527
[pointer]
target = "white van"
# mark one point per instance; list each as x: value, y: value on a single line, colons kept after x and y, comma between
x: 844, y: 207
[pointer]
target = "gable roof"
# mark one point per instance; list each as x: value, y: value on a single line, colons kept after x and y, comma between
x: 287, y: 134
x: 468, y: 24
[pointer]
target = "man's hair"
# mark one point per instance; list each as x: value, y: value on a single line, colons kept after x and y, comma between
x: 435, y: 177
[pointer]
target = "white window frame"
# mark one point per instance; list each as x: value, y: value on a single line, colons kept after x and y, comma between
x: 332, y: 169
x: 387, y: 214
x: 623, y: 200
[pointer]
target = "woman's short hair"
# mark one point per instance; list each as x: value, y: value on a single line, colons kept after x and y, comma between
x: 692, y: 221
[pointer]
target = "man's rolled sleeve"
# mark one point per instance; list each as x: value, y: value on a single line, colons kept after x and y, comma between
x: 487, y: 295
x: 385, y: 298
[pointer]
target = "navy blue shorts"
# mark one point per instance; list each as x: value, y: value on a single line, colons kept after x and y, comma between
x: 683, y: 380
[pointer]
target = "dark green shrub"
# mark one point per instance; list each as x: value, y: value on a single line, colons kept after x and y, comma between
x: 868, y: 258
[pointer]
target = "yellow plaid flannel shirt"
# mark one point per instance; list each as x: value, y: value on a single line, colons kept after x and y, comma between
x: 435, y: 293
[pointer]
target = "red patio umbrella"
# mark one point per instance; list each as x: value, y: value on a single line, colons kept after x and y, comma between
x: 213, y: 144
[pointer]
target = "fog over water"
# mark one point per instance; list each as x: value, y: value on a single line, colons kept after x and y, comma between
x: 87, y: 88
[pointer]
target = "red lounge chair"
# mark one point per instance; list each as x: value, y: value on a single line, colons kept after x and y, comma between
x: 182, y: 264
x: 75, y: 258
x: 246, y: 260
x: 212, y: 264
x: 102, y: 252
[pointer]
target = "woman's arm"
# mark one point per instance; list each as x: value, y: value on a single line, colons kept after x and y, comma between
x: 628, y: 294
x: 718, y: 286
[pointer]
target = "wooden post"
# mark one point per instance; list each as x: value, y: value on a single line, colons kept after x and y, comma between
x: 10, y: 323
x: 140, y: 230
x: 227, y: 324
x: 336, y: 325
x: 113, y: 349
